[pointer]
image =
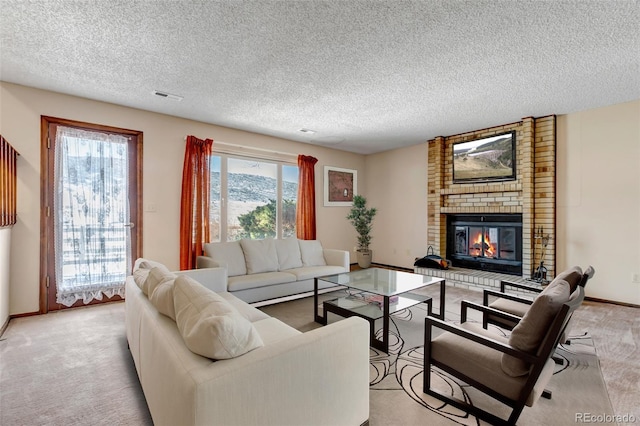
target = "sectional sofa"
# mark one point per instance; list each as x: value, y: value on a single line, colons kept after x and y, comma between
x: 259, y: 270
x: 204, y: 357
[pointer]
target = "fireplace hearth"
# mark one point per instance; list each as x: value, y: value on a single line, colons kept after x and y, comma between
x: 486, y: 242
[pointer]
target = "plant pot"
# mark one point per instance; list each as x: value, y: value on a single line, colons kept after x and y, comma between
x: 364, y: 258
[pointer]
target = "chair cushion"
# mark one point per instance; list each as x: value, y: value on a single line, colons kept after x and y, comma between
x: 311, y: 251
x: 209, y: 325
x: 530, y: 331
x: 230, y: 254
x: 572, y: 276
x: 483, y: 364
x: 260, y: 255
x: 510, y: 306
x: 288, y: 253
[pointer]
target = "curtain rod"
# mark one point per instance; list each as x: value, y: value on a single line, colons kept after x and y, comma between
x: 251, y: 148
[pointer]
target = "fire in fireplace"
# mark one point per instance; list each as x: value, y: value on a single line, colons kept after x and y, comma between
x: 488, y: 242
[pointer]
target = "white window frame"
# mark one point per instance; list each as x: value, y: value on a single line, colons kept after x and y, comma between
x: 226, y: 152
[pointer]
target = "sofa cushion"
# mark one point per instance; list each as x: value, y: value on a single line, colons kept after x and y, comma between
x: 272, y: 330
x: 209, y: 325
x: 245, y: 309
x: 161, y: 295
x: 244, y: 282
x: 529, y: 332
x: 260, y: 255
x: 229, y: 254
x: 310, y: 272
x: 289, y: 255
x: 311, y: 251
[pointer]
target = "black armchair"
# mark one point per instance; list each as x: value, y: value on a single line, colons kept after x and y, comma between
x: 513, y: 371
x: 517, y: 305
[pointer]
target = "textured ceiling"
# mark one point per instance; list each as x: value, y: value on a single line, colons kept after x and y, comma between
x: 367, y: 76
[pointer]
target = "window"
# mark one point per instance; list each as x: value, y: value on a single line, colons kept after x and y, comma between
x: 252, y: 198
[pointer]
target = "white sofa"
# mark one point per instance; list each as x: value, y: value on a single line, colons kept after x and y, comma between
x: 259, y: 270
x: 320, y: 377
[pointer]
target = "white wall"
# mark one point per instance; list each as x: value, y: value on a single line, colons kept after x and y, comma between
x: 397, y: 187
x: 163, y: 153
x: 598, y: 200
x: 598, y: 189
x: 5, y: 242
x: 598, y: 203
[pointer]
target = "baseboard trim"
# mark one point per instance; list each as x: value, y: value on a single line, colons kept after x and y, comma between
x: 4, y: 326
x: 612, y: 302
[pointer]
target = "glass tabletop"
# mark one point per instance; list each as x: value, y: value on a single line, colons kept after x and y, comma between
x: 383, y: 282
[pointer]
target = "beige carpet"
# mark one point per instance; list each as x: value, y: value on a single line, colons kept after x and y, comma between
x: 396, y: 379
x: 73, y: 368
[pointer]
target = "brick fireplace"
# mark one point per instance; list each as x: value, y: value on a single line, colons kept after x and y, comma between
x: 530, y: 197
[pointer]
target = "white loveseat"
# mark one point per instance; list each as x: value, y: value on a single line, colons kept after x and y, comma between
x: 320, y: 377
x: 265, y: 269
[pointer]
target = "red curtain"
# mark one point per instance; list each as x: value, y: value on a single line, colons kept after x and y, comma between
x: 194, y: 203
x: 306, y: 209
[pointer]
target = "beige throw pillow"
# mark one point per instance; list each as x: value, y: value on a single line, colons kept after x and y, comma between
x: 161, y: 293
x: 229, y: 254
x: 289, y: 256
x: 140, y: 276
x: 209, y: 325
x: 528, y: 333
x: 155, y: 276
x: 260, y: 255
x: 312, y: 253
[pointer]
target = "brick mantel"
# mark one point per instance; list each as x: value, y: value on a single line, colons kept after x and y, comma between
x: 532, y: 193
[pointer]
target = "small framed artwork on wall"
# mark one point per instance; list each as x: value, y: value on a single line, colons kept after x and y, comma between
x: 340, y: 185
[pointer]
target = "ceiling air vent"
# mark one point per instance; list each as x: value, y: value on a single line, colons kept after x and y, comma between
x: 167, y: 95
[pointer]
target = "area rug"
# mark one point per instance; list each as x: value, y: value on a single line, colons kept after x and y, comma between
x: 396, y: 397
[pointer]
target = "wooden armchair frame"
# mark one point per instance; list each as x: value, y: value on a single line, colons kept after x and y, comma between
x: 537, y: 359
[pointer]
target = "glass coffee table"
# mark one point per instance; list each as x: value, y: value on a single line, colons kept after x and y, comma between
x: 378, y: 294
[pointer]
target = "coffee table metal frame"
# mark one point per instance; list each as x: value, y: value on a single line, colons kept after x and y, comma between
x: 347, y: 307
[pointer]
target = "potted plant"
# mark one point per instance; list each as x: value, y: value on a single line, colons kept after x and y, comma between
x: 361, y: 219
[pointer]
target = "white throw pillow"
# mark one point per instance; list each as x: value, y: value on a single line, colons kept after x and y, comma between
x: 140, y: 276
x: 311, y: 251
x: 260, y: 255
x: 209, y: 325
x: 289, y: 256
x: 155, y: 276
x: 161, y: 295
x: 229, y: 253
x: 148, y: 264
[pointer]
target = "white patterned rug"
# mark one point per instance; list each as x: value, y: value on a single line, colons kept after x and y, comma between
x: 396, y: 396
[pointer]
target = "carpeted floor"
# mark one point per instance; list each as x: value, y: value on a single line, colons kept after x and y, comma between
x: 396, y: 379
x: 73, y: 368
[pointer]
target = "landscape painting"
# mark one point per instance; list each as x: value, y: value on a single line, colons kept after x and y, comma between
x: 486, y: 159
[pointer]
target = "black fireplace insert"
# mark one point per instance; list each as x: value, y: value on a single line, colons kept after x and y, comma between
x: 487, y: 242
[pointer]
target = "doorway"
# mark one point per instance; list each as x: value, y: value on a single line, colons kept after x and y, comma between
x: 91, y: 217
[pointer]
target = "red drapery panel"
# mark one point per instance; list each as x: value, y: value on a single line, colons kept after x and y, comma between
x: 306, y: 209
x: 194, y: 203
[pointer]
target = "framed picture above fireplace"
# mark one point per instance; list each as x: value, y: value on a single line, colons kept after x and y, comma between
x: 487, y: 159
